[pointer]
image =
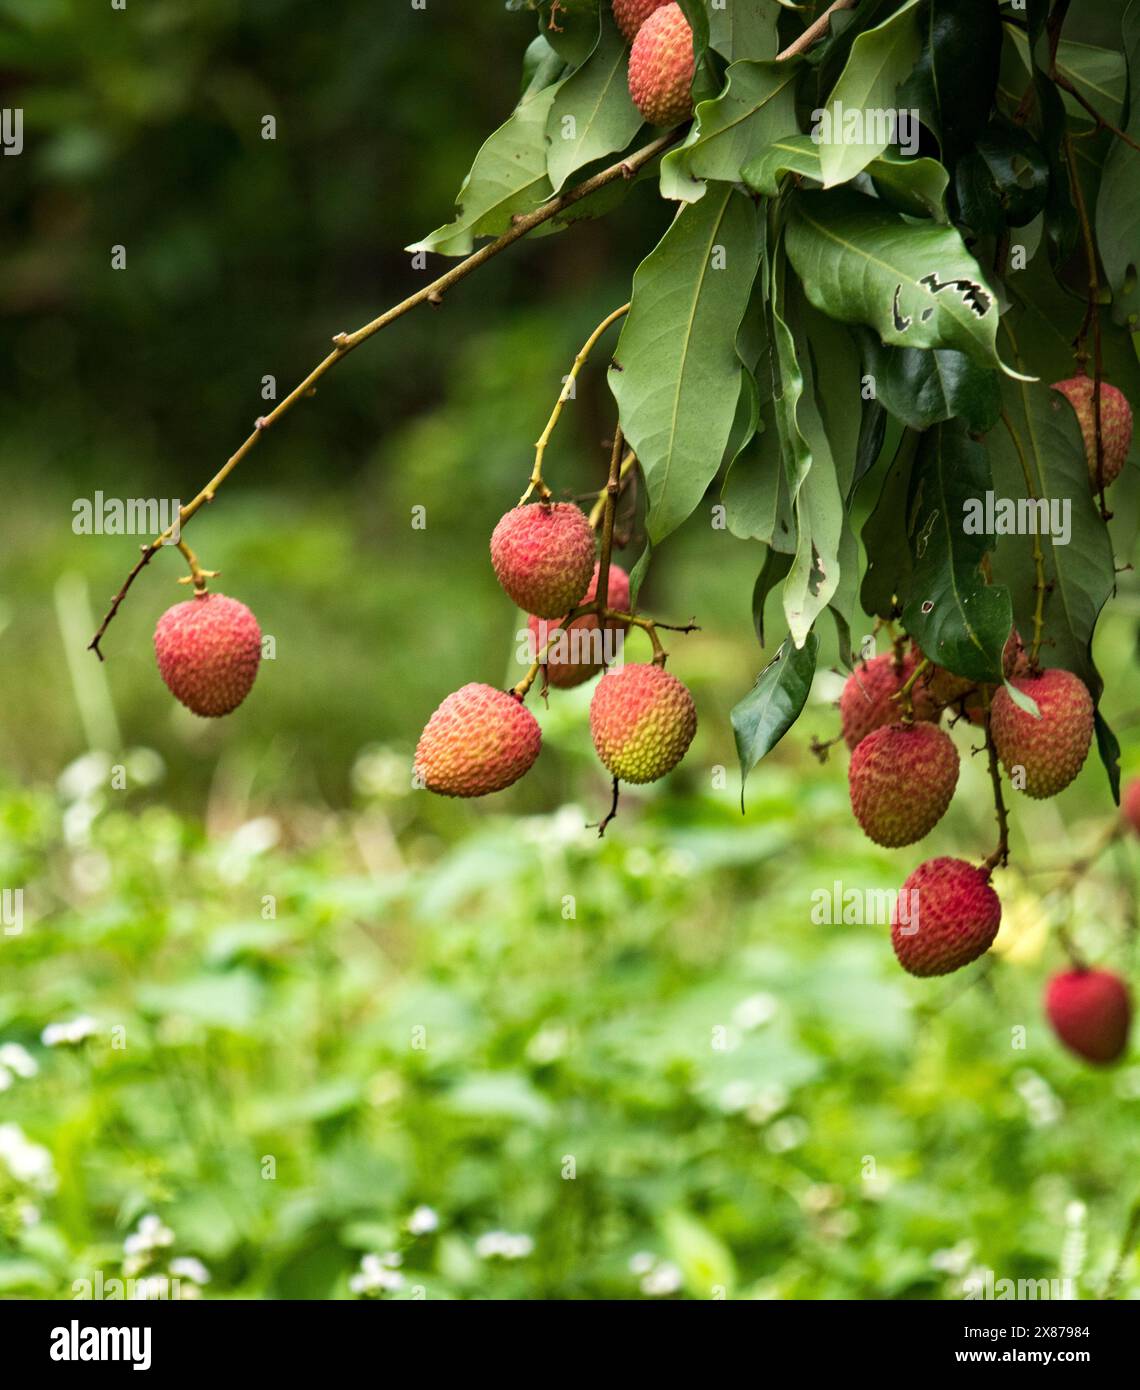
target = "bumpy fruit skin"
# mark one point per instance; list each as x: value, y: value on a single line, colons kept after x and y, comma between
x: 958, y: 915
x: 866, y: 702
x: 642, y: 720
x: 543, y: 556
x: 661, y: 67
x: 901, y: 778
x: 208, y: 651
x: 479, y: 740
x: 1130, y: 804
x: 632, y: 14
x: 1091, y: 1013
x: 1115, y: 423
x: 1051, y: 749
x: 561, y: 670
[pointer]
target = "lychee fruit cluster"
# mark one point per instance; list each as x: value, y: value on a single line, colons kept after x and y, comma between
x: 1091, y: 1012
x: 1115, y: 423
x: 661, y: 67
x: 208, y: 651
x: 479, y: 740
x: 642, y: 720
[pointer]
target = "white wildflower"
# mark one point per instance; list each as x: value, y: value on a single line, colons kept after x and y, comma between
x: 423, y: 1221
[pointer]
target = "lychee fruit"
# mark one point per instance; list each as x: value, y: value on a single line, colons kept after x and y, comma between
x: 479, y: 740
x: 945, y: 916
x: 866, y: 702
x: 661, y: 67
x: 577, y: 652
x: 632, y: 14
x: 902, y: 777
x: 642, y: 720
x: 1091, y: 1013
x: 208, y: 651
x: 1130, y: 804
x: 1052, y: 749
x: 543, y: 555
x: 1115, y: 423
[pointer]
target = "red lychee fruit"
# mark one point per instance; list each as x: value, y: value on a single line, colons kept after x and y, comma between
x: 946, y: 915
x: 1130, y: 804
x: 902, y: 777
x: 1115, y: 423
x: 479, y: 740
x: 1091, y: 1013
x: 866, y: 702
x: 661, y: 67
x: 543, y: 556
x: 642, y: 720
x: 208, y: 651
x: 1052, y: 749
x: 577, y: 653
x: 632, y: 14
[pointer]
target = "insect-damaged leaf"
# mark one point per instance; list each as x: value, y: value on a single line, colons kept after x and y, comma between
x: 914, y: 283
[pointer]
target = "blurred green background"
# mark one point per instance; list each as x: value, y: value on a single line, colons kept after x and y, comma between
x: 337, y: 1036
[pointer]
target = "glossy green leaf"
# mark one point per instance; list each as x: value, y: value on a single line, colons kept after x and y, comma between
x: 1118, y: 202
x: 773, y: 704
x: 924, y: 387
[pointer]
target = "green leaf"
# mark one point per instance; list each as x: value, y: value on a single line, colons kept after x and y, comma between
x: 1003, y: 181
x: 756, y: 107
x: 575, y: 28
x: 915, y: 284
x: 879, y: 62
x: 922, y: 388
x: 744, y: 31
x: 592, y: 114
x: 886, y: 581
x: 812, y: 482
x: 508, y: 177
x: 958, y: 620
x: 773, y: 704
x: 676, y: 371
x: 915, y: 186
x: 1118, y: 201
x: 955, y: 79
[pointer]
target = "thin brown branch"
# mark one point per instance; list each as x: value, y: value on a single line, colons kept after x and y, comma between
x: 1000, y: 856
x: 1102, y: 123
x: 814, y: 30
x: 344, y: 343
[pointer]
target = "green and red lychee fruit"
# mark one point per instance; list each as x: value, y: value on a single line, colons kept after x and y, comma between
x: 1052, y: 749
x: 577, y: 652
x: 945, y: 916
x: 661, y: 67
x: 1091, y: 1012
x: 479, y: 740
x: 632, y: 14
x: 208, y: 651
x: 866, y: 701
x: 543, y: 555
x: 902, y: 777
x: 1130, y: 804
x: 642, y: 720
x: 1115, y: 423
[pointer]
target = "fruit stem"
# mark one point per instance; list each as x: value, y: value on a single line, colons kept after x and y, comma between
x: 597, y: 511
x: 814, y: 30
x: 1000, y: 856
x: 1039, y: 584
x: 564, y: 395
x: 344, y: 343
x: 904, y: 693
x: 197, y: 576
